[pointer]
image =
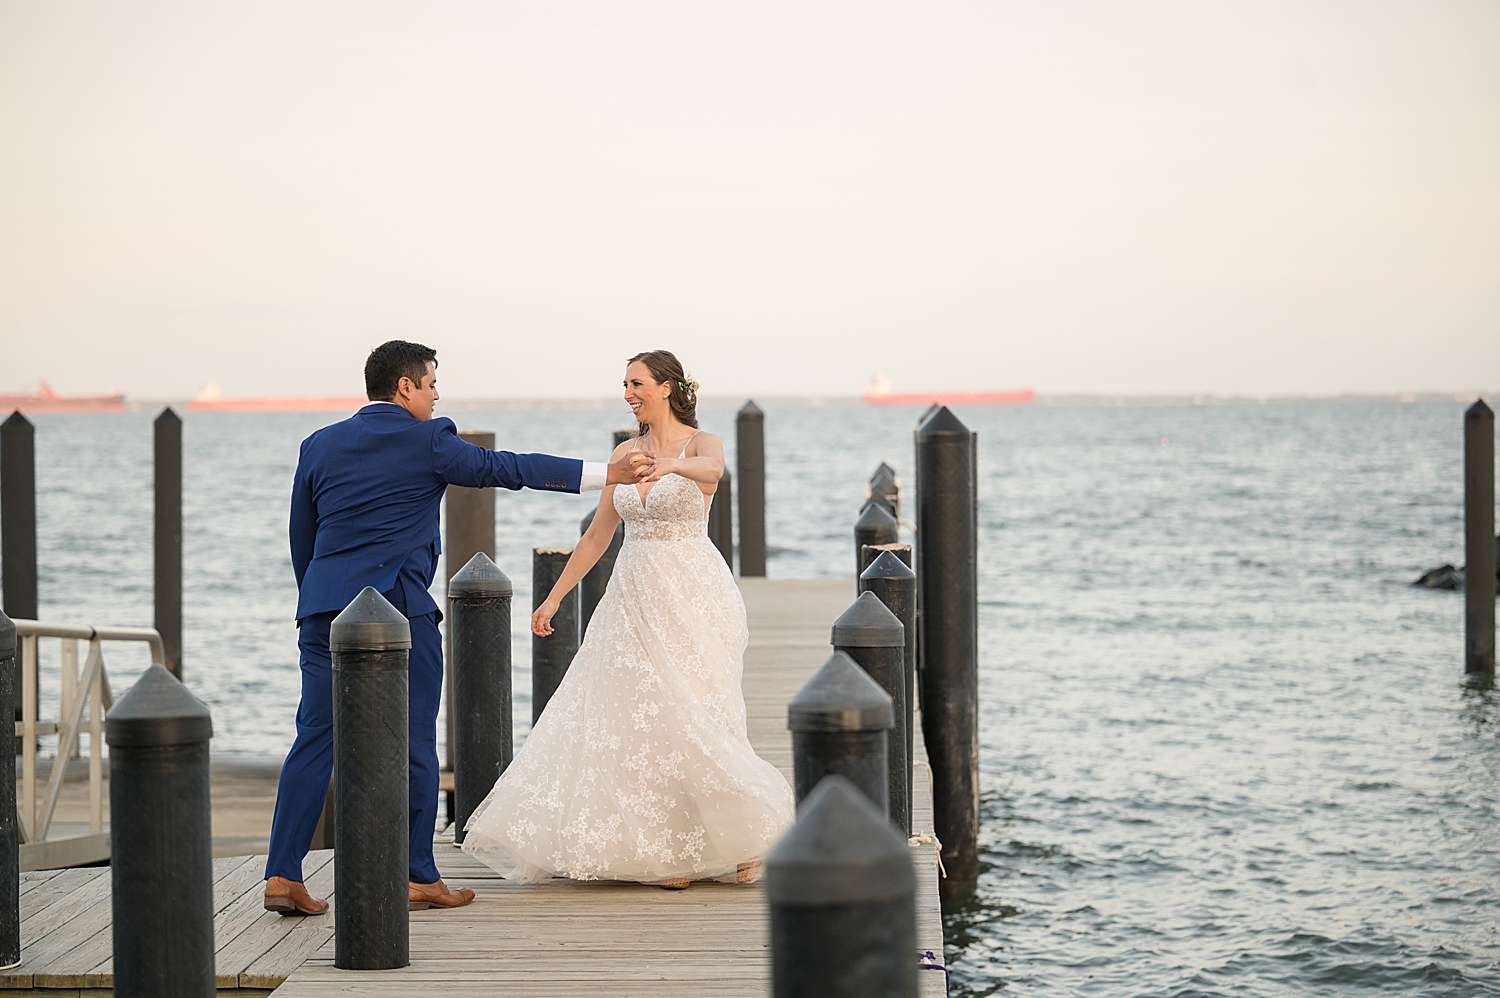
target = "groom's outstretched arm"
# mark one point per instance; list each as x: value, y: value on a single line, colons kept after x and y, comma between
x: 458, y: 462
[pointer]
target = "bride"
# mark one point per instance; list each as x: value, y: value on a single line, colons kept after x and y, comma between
x: 640, y: 768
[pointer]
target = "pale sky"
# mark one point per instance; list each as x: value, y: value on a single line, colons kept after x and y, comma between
x: 1251, y: 198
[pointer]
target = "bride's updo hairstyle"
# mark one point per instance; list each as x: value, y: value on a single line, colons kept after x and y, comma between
x: 666, y: 369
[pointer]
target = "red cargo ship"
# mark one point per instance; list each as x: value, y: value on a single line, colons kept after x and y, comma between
x: 880, y: 393
x: 46, y: 400
x: 209, y: 400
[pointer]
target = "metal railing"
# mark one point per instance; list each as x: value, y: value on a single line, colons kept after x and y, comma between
x: 79, y: 693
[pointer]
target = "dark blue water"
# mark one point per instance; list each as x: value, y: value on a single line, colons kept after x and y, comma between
x: 1226, y: 748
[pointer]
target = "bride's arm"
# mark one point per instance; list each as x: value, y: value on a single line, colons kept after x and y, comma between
x: 590, y: 547
x: 704, y: 464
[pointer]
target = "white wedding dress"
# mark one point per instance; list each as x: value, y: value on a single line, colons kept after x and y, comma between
x: 640, y: 768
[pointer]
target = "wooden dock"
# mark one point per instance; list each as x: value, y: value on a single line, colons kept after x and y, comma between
x: 557, y: 939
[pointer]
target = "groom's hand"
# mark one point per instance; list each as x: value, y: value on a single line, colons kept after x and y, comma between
x: 632, y: 467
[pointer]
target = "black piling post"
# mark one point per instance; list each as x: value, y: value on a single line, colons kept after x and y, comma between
x: 842, y: 891
x: 371, y: 643
x: 750, y: 448
x: 551, y: 656
x: 1479, y: 539
x: 161, y: 840
x: 620, y: 436
x: 841, y: 722
x: 721, y: 518
x: 893, y: 582
x: 18, y: 517
x: 10, y: 838
x: 885, y: 487
x: 875, y: 526
x: 168, y: 536
x: 469, y: 522
x: 591, y: 589
x: 872, y: 635
x: 948, y: 576
x: 480, y: 596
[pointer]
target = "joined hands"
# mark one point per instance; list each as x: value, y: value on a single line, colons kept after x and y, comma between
x: 634, y: 466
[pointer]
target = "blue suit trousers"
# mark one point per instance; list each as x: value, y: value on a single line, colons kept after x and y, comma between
x: 305, y: 774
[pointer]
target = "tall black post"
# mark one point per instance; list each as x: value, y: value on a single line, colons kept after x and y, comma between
x: 885, y: 488
x: 551, y: 656
x: 10, y: 839
x: 480, y: 596
x: 750, y: 448
x: 895, y: 584
x: 161, y: 840
x: 721, y: 519
x: 916, y: 506
x: 168, y: 537
x: 947, y: 542
x: 840, y: 723
x: 470, y: 528
x: 596, y: 581
x: 871, y: 634
x: 18, y: 516
x: 370, y: 642
x: 842, y: 891
x: 875, y: 526
x: 1479, y: 539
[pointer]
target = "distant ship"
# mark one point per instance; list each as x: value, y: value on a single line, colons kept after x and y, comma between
x: 880, y: 393
x: 209, y: 400
x: 46, y: 400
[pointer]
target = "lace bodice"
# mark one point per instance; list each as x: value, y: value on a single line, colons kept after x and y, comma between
x: 674, y: 509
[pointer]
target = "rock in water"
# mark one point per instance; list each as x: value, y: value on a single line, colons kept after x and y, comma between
x: 1442, y: 577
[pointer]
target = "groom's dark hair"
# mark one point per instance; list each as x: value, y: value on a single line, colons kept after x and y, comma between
x: 392, y: 361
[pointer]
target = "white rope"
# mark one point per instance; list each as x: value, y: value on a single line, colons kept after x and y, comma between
x: 922, y: 838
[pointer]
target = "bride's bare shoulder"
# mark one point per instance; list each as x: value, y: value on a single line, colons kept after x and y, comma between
x: 704, y: 442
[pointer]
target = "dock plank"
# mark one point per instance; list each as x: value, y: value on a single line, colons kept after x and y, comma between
x: 534, y: 940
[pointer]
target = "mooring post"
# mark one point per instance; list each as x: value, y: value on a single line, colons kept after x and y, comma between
x: 872, y: 635
x: 161, y: 840
x: 470, y: 529
x: 1479, y: 539
x: 721, y: 519
x: 168, y: 536
x: 551, y: 656
x: 18, y: 526
x: 10, y: 838
x: 948, y: 576
x: 885, y: 488
x: 591, y: 589
x: 18, y: 516
x: 893, y: 582
x: 840, y: 723
x: 370, y: 642
x: 620, y: 436
x: 875, y: 526
x: 750, y: 450
x: 842, y: 891
x: 480, y: 596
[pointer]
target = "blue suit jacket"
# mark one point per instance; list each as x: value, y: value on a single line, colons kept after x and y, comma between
x: 366, y: 496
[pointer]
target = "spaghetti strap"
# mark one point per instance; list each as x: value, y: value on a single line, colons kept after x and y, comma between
x: 686, y: 442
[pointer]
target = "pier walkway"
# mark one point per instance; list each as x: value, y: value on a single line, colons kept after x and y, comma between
x: 557, y: 939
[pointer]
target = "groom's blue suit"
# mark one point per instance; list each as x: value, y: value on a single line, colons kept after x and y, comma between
x: 365, y: 504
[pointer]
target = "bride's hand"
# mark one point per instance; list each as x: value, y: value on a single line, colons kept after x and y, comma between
x: 664, y: 466
x: 541, y: 621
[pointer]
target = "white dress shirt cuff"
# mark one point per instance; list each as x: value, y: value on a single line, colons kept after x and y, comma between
x: 595, y: 476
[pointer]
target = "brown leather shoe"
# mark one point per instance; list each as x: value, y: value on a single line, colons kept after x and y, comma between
x: 436, y: 895
x: 289, y: 897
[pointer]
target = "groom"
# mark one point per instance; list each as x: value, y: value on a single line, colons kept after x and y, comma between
x: 365, y: 503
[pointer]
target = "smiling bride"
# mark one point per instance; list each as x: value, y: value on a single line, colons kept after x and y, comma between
x: 640, y: 768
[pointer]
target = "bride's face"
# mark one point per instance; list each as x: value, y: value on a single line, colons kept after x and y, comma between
x: 646, y: 396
